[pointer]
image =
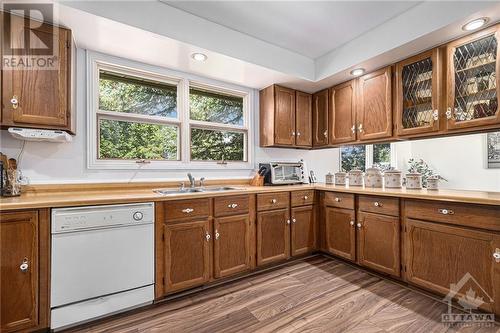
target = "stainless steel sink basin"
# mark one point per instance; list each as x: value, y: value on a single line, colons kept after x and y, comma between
x: 168, y: 191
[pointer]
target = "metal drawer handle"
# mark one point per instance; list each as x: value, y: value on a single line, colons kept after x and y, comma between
x: 274, y: 201
x: 24, y: 266
x: 446, y: 211
x: 359, y: 225
x: 377, y: 204
x: 188, y: 210
x: 217, y: 235
x: 496, y: 255
x: 207, y: 236
x: 338, y: 199
x: 351, y: 223
x: 234, y: 205
x: 15, y: 102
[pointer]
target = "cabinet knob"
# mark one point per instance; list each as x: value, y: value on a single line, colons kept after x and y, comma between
x: 294, y: 220
x: 377, y: 204
x: 306, y: 197
x: 351, y: 223
x: 14, y: 101
x: 448, y: 113
x: 293, y: 133
x: 496, y: 255
x: 325, y: 133
x: 435, y: 115
x: 217, y: 235
x: 188, y: 210
x: 360, y: 128
x: 274, y: 201
x: 353, y: 129
x: 446, y: 211
x: 298, y: 133
x: 207, y: 236
x: 287, y: 221
x: 359, y: 225
x: 338, y: 199
x: 24, y: 265
x: 233, y: 205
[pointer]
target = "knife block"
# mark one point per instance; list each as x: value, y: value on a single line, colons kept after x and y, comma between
x: 257, y: 180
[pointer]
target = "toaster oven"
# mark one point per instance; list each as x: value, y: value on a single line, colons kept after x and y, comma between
x: 284, y: 173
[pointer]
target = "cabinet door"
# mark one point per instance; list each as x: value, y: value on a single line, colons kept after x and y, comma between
x: 418, y: 94
x: 378, y: 242
x: 19, y: 235
x: 231, y: 245
x: 303, y: 124
x: 284, y: 121
x: 473, y: 80
x: 374, y: 105
x: 303, y: 230
x: 273, y: 236
x: 342, y: 113
x: 340, y: 233
x: 187, y: 254
x: 439, y: 257
x: 42, y: 93
x: 320, y: 118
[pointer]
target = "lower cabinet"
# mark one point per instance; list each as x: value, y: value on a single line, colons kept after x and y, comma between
x: 24, y: 257
x: 454, y: 261
x: 186, y: 254
x: 303, y: 231
x: 273, y: 236
x: 231, y: 245
x: 379, y: 242
x: 340, y: 233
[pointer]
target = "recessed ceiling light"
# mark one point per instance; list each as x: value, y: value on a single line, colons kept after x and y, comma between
x: 475, y: 24
x: 199, y: 56
x: 357, y: 71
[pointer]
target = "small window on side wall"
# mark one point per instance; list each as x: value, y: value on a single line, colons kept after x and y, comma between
x: 362, y: 156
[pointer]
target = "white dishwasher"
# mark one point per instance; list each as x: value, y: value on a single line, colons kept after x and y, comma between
x: 102, y: 261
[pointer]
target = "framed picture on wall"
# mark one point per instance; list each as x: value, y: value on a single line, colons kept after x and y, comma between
x: 493, y: 150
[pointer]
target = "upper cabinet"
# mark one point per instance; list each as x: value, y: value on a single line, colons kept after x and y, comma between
x: 342, y: 113
x: 320, y: 118
x: 417, y: 94
x: 472, y: 80
x: 285, y: 118
x: 38, y: 95
x: 374, y: 105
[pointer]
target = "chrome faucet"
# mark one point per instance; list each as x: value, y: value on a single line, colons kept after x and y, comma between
x: 191, y: 179
x: 202, y: 179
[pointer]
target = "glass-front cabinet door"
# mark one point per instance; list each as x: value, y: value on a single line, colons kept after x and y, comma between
x: 417, y: 94
x: 472, y: 80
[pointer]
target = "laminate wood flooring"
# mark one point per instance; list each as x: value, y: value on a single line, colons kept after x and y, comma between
x: 317, y: 294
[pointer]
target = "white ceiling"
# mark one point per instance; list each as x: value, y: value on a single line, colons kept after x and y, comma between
x: 308, y: 28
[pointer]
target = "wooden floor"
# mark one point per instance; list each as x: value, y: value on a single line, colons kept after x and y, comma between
x: 312, y: 295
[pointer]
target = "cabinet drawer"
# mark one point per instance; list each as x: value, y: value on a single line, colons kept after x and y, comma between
x: 302, y: 198
x: 233, y: 205
x: 380, y: 205
x: 268, y: 201
x: 470, y: 215
x: 340, y: 200
x: 186, y: 209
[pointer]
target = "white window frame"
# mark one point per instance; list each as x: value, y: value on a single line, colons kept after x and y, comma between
x: 96, y: 61
x: 369, y: 156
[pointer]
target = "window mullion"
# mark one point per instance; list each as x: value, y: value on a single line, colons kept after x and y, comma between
x: 184, y: 118
x: 369, y: 156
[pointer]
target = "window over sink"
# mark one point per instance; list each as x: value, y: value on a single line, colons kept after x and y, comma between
x: 146, y: 117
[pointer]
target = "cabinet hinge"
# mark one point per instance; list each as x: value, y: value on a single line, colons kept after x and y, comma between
x: 163, y: 281
x: 68, y: 44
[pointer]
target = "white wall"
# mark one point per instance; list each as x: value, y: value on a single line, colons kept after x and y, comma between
x: 66, y: 163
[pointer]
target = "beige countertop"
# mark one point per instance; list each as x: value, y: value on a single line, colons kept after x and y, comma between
x: 127, y: 193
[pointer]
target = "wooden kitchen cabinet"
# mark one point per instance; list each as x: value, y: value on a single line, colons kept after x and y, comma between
x: 231, y: 245
x: 440, y: 256
x: 379, y: 242
x: 186, y: 254
x: 472, y: 80
x: 273, y: 236
x: 342, y: 113
x: 374, y: 105
x: 303, y: 230
x: 320, y: 118
x: 285, y: 118
x: 38, y: 97
x: 340, y: 232
x: 24, y: 274
x: 303, y: 119
x: 418, y: 94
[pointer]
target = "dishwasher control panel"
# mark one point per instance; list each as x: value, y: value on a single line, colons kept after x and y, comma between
x: 97, y: 217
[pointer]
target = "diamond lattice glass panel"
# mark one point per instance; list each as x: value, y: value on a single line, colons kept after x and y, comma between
x: 417, y: 94
x: 475, y: 79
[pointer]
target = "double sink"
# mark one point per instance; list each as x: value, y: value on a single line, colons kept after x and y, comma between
x: 196, y: 190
